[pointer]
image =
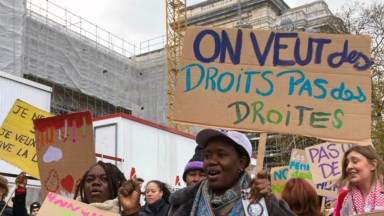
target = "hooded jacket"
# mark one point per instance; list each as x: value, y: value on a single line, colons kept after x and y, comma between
x: 182, y: 202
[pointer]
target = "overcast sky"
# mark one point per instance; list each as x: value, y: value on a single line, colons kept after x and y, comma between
x: 138, y: 20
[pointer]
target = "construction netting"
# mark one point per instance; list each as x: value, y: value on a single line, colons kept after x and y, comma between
x: 12, y: 21
x: 55, y: 53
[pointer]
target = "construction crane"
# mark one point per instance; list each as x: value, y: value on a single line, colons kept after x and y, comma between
x: 176, y: 14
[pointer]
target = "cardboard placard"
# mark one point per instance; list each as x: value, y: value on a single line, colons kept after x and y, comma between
x: 299, y: 168
x: 278, y: 180
x: 55, y: 204
x: 310, y: 84
x: 17, y: 137
x: 378, y: 213
x: 65, y: 151
x: 325, y: 160
x: 347, y: 208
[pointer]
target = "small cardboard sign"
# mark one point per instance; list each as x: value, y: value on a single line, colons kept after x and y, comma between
x: 17, y: 137
x: 58, y: 205
x: 378, y: 213
x: 65, y: 151
x: 347, y: 208
x: 300, y: 168
x: 325, y: 160
x: 310, y: 84
x: 278, y: 180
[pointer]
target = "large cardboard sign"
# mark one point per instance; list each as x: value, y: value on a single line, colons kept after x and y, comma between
x: 278, y: 180
x: 65, y: 151
x: 325, y: 160
x: 310, y: 84
x: 300, y: 168
x: 17, y: 137
x: 58, y: 205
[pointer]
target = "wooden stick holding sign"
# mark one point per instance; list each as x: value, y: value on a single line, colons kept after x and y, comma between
x: 323, y: 204
x: 260, y: 153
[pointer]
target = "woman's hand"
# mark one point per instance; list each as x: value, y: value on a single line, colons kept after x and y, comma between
x: 129, y: 195
x: 21, y: 181
x: 260, y: 187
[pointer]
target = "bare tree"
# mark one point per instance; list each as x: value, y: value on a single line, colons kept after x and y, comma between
x: 367, y: 19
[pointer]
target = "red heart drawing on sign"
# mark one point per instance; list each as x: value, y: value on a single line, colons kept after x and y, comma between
x: 67, y: 183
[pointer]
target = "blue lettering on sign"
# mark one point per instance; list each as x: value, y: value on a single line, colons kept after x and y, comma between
x: 223, y: 45
x: 306, y: 86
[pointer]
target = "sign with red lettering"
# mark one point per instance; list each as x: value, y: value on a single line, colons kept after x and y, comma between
x: 58, y: 205
x: 310, y: 84
x: 325, y: 160
x: 65, y: 151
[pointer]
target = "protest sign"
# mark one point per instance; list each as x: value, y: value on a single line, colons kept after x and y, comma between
x: 378, y: 213
x: 278, y: 179
x: 325, y: 160
x: 17, y: 137
x: 55, y: 204
x: 347, y: 208
x: 310, y: 84
x: 299, y: 168
x: 65, y: 151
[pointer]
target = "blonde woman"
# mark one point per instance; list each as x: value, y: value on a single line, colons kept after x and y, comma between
x: 362, y: 175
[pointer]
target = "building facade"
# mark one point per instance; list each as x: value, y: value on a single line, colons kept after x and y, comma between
x: 261, y: 14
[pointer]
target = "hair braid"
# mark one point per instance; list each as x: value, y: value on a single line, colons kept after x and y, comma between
x: 115, y: 179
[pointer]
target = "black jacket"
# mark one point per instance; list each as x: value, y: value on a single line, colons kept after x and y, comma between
x: 19, y: 208
x: 7, y: 211
x: 158, y: 208
x: 182, y: 202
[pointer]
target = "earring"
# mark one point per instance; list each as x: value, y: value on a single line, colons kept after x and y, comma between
x: 240, y: 170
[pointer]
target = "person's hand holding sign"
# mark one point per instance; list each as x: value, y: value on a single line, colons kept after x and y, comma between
x: 129, y: 196
x: 21, y: 181
x: 260, y: 187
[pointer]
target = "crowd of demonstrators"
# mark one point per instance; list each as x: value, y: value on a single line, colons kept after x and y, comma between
x: 19, y: 206
x: 193, y: 171
x: 4, y: 193
x: 301, y: 197
x: 215, y: 178
x: 362, y: 176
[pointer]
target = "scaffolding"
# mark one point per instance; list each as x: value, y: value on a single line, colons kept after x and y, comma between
x: 131, y: 64
x: 176, y: 18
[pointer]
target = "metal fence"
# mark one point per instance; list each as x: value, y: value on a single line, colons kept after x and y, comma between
x: 76, y: 26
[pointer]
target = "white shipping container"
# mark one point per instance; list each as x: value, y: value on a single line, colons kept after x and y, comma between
x: 38, y: 95
x: 149, y: 150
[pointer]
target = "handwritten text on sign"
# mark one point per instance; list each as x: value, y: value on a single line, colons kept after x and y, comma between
x: 17, y: 137
x: 325, y: 160
x: 300, y: 168
x: 278, y: 180
x: 254, y: 80
x: 58, y: 205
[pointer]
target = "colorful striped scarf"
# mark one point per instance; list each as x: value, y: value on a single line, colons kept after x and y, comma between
x: 206, y: 204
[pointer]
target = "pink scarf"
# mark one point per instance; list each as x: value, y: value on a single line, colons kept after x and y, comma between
x: 374, y: 201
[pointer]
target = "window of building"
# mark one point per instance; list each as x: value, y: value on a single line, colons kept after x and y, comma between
x: 205, y: 7
x: 219, y: 3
